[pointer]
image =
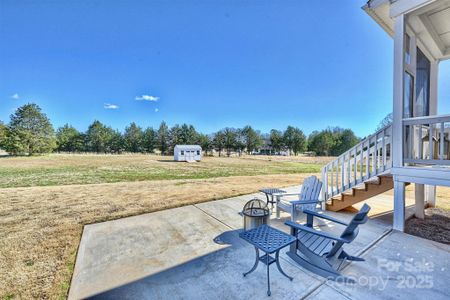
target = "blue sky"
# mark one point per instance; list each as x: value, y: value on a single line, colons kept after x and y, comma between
x: 213, y: 64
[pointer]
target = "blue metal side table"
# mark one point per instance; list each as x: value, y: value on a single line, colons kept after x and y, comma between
x: 269, y: 240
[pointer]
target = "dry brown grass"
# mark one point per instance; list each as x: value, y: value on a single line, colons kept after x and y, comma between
x: 41, y: 226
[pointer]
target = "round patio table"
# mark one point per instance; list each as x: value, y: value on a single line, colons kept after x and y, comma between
x: 271, y: 192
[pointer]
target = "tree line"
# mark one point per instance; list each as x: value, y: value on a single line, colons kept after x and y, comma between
x: 31, y: 132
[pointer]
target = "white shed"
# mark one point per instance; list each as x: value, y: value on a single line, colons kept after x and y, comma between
x: 187, y: 153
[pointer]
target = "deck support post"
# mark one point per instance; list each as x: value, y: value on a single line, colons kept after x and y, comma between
x: 399, y: 205
x: 419, y: 201
x: 430, y: 195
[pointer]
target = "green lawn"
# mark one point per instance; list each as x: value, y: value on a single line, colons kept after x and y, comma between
x: 89, y: 169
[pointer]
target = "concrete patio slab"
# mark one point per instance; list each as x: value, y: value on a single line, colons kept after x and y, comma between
x: 326, y: 292
x: 117, y: 252
x: 218, y: 275
x: 400, y: 266
x: 194, y: 252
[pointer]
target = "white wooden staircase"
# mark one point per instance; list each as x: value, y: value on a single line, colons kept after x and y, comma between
x: 360, y: 173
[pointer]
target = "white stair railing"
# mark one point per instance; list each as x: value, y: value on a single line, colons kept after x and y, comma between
x: 369, y: 158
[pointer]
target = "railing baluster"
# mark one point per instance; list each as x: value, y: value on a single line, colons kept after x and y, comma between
x: 441, y: 143
x: 350, y: 165
x: 375, y: 163
x: 420, y: 143
x: 325, y: 183
x: 331, y: 178
x: 367, y: 160
x: 355, y: 166
x: 336, y: 172
x: 361, y: 161
x: 343, y: 173
x: 430, y: 141
x: 383, y: 153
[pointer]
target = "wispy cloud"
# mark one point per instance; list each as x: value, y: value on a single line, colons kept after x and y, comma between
x: 110, y: 106
x: 147, y: 98
x: 15, y: 96
x: 156, y: 109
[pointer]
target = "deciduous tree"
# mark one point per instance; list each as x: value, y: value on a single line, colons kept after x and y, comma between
x: 343, y: 140
x: 276, y: 140
x: 321, y: 142
x: 295, y: 140
x: 252, y: 139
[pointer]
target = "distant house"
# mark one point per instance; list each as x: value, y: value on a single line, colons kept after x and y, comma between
x: 187, y: 153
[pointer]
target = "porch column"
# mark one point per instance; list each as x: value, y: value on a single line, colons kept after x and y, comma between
x: 399, y: 70
x: 434, y: 73
x: 399, y: 205
x: 430, y: 195
x: 397, y: 126
x: 420, y: 201
x: 430, y: 190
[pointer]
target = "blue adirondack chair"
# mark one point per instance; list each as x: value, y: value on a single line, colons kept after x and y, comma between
x: 308, y: 198
x: 323, y: 253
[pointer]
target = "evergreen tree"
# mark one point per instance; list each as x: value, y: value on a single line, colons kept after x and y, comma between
x: 68, y: 139
x: 175, y: 137
x: 188, y: 135
x: 97, y: 137
x: 115, y: 142
x: 30, y: 132
x: 219, y: 141
x: 205, y: 142
x: 3, y: 134
x: 133, y: 138
x: 149, y: 140
x: 229, y: 140
x: 163, y: 138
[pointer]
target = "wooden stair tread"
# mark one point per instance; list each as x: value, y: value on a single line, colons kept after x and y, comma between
x: 364, y: 191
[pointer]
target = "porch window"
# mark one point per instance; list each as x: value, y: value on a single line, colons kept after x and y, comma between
x: 408, y: 95
x: 407, y: 49
x: 422, y: 107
